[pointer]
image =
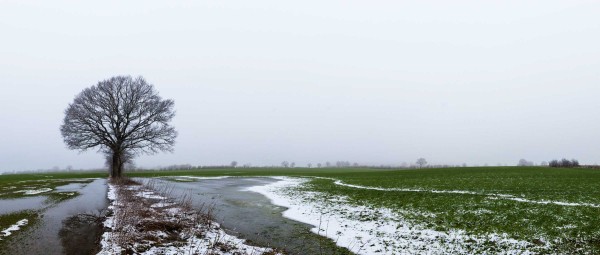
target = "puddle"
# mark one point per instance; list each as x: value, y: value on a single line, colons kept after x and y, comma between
x: 80, y: 234
x: 20, y: 204
x: 45, y: 238
x: 251, y: 216
x: 71, y: 187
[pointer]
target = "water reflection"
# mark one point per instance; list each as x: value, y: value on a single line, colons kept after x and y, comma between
x: 251, y: 216
x: 20, y: 204
x: 44, y: 238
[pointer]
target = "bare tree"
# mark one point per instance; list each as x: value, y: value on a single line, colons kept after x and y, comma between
x: 285, y: 164
x: 575, y: 163
x: 421, y: 162
x: 234, y: 164
x: 309, y: 165
x: 342, y: 164
x: 564, y: 163
x: 293, y: 164
x: 319, y: 165
x: 524, y: 162
x: 120, y: 117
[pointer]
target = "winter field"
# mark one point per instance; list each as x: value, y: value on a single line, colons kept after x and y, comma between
x: 491, y: 210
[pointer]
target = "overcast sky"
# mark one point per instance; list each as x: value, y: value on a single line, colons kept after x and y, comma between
x: 373, y: 82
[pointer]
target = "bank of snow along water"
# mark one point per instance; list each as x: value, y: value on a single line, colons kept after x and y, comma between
x: 144, y: 220
x: 376, y: 230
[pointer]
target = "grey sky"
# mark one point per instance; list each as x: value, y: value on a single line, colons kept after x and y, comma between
x: 379, y: 82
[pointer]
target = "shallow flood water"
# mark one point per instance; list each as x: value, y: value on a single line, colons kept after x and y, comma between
x: 20, y: 204
x: 250, y: 215
x: 45, y: 236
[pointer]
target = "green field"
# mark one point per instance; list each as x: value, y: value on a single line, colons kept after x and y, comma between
x: 13, y: 185
x: 536, y: 204
x: 554, y: 208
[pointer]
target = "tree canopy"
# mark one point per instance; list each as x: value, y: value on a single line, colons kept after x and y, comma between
x: 121, y: 117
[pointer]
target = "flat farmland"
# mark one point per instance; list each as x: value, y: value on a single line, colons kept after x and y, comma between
x: 487, y: 210
x: 483, y: 210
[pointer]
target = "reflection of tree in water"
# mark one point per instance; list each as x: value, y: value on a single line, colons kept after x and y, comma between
x: 81, y: 234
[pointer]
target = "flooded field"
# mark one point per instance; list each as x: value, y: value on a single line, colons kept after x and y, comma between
x: 74, y: 225
x: 21, y: 204
x: 250, y: 215
x: 58, y: 227
x: 485, y: 210
x: 332, y: 211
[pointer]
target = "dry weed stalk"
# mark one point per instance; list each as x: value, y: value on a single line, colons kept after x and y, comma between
x: 148, y: 216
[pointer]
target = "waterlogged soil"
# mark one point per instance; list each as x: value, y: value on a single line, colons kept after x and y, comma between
x: 74, y: 226
x: 68, y: 227
x: 251, y: 216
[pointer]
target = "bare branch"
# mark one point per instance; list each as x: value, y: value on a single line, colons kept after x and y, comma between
x: 122, y: 117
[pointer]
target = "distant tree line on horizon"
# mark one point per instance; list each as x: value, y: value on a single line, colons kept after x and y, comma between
x: 420, y: 163
x: 564, y: 163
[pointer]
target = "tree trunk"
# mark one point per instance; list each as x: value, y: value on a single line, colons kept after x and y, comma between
x: 117, y: 165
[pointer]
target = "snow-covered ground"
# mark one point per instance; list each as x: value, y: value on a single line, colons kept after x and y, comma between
x: 373, y: 230
x: 200, y: 236
x: 13, y: 228
x: 34, y: 191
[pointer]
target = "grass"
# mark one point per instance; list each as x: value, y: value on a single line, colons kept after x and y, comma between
x: 570, y: 228
x: 7, y: 220
x: 12, y: 186
x: 37, y: 187
x: 57, y: 197
x: 11, y: 178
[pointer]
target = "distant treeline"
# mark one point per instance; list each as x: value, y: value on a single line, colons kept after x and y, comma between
x: 292, y: 165
x: 564, y: 163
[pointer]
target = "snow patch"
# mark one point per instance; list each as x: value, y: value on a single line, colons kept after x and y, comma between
x: 213, y: 239
x: 173, y: 211
x: 13, y: 228
x: 149, y: 195
x: 489, y: 196
x: 162, y: 204
x: 368, y: 230
x: 34, y: 191
x: 545, y: 202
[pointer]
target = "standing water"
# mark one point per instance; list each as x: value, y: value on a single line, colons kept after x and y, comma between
x: 251, y: 216
x: 20, y: 204
x: 68, y: 227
